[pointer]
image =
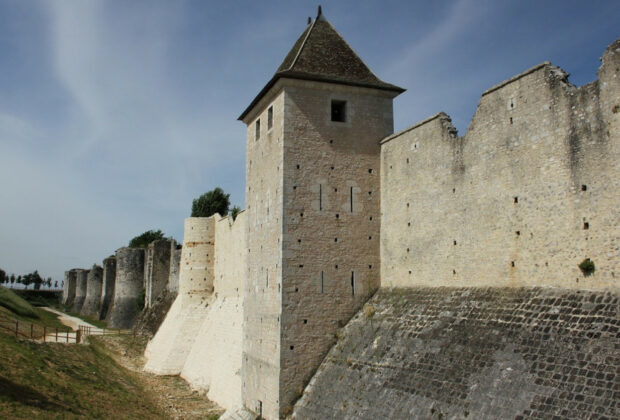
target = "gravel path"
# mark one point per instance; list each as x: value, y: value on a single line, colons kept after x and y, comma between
x: 71, y: 322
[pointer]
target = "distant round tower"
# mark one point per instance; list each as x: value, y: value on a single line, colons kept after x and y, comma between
x: 68, y: 290
x: 81, y: 284
x: 175, y: 262
x: 128, y: 287
x: 107, y: 289
x: 93, y: 292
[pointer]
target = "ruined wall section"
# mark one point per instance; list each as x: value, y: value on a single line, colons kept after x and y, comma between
x: 521, y: 200
x: 157, y: 270
x: 175, y: 263
x: 92, y: 302
x: 107, y: 288
x: 261, y: 315
x: 68, y: 290
x: 167, y: 352
x: 127, y: 288
x: 81, y: 284
x: 331, y: 219
x: 214, y: 363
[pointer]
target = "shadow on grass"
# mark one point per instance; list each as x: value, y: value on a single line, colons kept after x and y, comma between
x: 27, y: 396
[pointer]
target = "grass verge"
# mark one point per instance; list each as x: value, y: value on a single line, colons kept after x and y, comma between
x: 56, y: 381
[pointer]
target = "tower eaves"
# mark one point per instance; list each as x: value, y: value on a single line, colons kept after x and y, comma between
x: 321, y: 54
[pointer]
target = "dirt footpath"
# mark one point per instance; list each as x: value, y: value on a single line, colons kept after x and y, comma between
x: 173, y: 394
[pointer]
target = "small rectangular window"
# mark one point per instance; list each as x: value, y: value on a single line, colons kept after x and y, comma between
x: 339, y: 111
x: 257, y: 129
x: 270, y: 118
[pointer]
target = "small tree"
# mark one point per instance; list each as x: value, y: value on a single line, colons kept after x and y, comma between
x: 234, y: 212
x: 12, y: 279
x: 3, y: 278
x: 142, y: 241
x: 214, y: 201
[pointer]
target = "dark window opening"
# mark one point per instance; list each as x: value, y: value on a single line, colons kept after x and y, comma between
x: 518, y: 233
x: 584, y: 188
x: 516, y: 200
x: 322, y: 283
x: 454, y: 242
x: 320, y: 197
x: 305, y: 321
x: 331, y: 142
x: 512, y: 263
x: 370, y: 218
x: 370, y: 171
x: 270, y: 117
x: 453, y: 271
x: 297, y: 166
x: 510, y: 120
x: 335, y: 239
x: 339, y: 109
x: 292, y: 347
x: 586, y: 225
x: 352, y: 283
x: 336, y: 266
x: 301, y: 266
x: 337, y: 216
x: 257, y: 129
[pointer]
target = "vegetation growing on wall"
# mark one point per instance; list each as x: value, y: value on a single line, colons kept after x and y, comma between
x: 214, y: 201
x: 143, y: 240
x: 587, y: 267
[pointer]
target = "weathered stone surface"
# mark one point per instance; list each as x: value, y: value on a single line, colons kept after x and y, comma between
x: 107, y: 289
x: 127, y: 288
x: 157, y: 269
x: 473, y: 353
x: 522, y: 199
x: 92, y: 303
x: 81, y: 284
x: 150, y: 319
x: 175, y: 263
x: 167, y: 352
x: 68, y: 288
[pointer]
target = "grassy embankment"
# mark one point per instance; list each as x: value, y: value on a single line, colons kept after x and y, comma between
x: 64, y: 381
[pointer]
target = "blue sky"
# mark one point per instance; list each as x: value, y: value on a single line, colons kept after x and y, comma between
x: 114, y: 115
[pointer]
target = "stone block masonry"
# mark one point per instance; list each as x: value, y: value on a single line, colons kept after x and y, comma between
x: 81, y: 285
x: 175, y: 262
x: 475, y: 353
x: 157, y: 269
x: 127, y: 288
x: 107, y: 289
x: 522, y: 199
x: 68, y: 288
x: 92, y: 303
x: 167, y: 352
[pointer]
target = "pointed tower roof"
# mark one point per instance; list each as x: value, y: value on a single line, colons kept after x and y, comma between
x: 321, y: 54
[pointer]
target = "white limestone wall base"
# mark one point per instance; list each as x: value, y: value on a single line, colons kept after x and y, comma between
x: 167, y: 351
x: 214, y: 362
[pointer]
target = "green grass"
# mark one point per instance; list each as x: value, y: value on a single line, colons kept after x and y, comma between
x: 56, y: 381
x: 40, y: 297
x: 15, y: 304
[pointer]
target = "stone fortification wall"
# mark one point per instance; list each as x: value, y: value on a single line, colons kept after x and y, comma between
x: 81, y: 284
x: 92, y: 303
x: 475, y: 353
x: 214, y: 362
x: 262, y: 308
x: 523, y: 198
x: 175, y: 263
x: 107, y: 289
x: 127, y: 288
x: 157, y: 269
x: 68, y: 288
x: 167, y: 352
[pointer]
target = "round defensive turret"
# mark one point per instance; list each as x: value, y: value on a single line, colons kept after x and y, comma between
x: 107, y: 289
x: 81, y: 284
x: 128, y: 287
x: 175, y: 262
x: 196, y: 271
x: 93, y: 292
x: 68, y: 288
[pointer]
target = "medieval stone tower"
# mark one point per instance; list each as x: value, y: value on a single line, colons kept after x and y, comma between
x: 313, y: 211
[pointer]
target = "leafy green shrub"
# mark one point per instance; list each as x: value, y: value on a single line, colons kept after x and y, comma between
x: 587, y: 267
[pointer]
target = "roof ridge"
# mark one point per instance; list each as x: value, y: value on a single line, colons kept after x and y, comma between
x: 303, y: 44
